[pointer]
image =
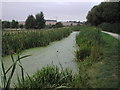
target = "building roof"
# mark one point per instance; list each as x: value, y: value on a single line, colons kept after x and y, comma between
x: 51, y: 20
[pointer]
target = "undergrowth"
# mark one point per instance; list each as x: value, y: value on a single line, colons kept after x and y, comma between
x: 97, y: 58
x: 51, y: 77
x: 13, y: 41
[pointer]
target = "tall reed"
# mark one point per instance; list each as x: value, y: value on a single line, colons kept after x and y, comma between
x: 51, y: 77
x: 89, y: 41
x: 6, y: 79
x: 12, y: 41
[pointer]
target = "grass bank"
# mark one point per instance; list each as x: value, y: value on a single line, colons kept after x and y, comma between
x: 13, y: 41
x: 97, y: 58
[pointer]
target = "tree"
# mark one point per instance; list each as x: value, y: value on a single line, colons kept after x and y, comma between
x: 30, y: 22
x: 108, y: 12
x: 5, y: 24
x: 58, y: 24
x: 40, y: 21
x: 21, y: 26
x: 14, y: 24
x: 78, y: 23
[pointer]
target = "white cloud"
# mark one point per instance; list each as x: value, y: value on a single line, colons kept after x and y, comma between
x: 61, y: 10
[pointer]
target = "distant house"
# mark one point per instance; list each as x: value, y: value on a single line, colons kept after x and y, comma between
x: 51, y: 22
x: 69, y: 23
x: 21, y: 22
x: 48, y: 22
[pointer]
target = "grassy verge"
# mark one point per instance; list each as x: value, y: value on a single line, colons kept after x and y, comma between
x: 13, y: 41
x: 105, y: 72
x: 97, y: 58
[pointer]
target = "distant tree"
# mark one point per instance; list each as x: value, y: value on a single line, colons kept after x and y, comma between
x: 14, y: 24
x: 30, y: 22
x: 21, y: 26
x: 0, y: 24
x: 78, y: 23
x: 58, y: 24
x: 48, y: 26
x: 5, y: 24
x: 53, y: 26
x: 71, y: 24
x: 40, y: 21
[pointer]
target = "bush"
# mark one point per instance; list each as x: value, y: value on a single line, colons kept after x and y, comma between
x: 115, y: 27
x: 58, y: 25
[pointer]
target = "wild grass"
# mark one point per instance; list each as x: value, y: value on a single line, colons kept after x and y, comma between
x: 13, y: 41
x: 76, y: 28
x: 51, y: 77
x: 6, y: 80
x: 97, y: 57
x: 89, y: 41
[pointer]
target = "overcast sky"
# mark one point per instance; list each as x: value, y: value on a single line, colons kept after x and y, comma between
x: 60, y: 10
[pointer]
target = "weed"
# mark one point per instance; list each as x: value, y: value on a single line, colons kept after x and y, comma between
x: 7, y: 79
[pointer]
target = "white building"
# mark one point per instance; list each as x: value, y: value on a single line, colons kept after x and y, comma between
x: 50, y: 22
x: 21, y: 22
x: 53, y: 22
x: 69, y: 23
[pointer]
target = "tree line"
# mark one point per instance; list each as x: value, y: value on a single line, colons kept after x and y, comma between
x: 108, y: 12
x: 37, y: 22
x: 105, y: 15
x: 30, y: 23
x: 12, y: 24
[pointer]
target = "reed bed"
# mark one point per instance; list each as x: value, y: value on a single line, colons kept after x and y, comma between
x: 13, y: 41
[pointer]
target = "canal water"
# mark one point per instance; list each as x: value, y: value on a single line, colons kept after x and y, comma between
x: 59, y: 52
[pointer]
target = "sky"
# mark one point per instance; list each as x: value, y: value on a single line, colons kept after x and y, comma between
x: 61, y: 10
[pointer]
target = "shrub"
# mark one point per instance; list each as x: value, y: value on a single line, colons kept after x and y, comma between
x: 115, y: 27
